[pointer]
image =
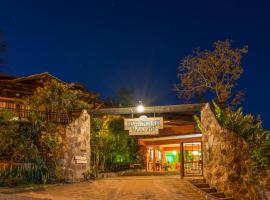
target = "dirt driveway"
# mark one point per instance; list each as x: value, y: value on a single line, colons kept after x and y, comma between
x: 130, y: 188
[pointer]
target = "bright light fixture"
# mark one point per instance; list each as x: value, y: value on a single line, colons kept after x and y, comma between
x: 195, y: 153
x: 140, y: 107
x: 174, y: 152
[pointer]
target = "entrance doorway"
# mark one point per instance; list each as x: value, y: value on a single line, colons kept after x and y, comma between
x: 163, y: 158
x: 168, y: 157
x: 193, y: 159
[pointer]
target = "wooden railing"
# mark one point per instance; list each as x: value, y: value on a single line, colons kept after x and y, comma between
x: 57, y: 117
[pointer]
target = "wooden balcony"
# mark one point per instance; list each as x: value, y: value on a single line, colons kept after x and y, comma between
x: 56, y: 117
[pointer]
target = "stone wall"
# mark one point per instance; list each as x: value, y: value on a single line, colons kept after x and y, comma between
x: 227, y: 165
x: 75, y: 148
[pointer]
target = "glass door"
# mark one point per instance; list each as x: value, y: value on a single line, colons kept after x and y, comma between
x: 193, y: 159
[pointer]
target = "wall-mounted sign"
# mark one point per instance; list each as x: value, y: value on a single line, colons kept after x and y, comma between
x: 144, y: 125
x: 80, y: 159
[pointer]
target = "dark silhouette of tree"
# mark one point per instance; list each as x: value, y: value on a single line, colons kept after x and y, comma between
x: 3, y: 46
x: 206, y: 72
x: 125, y: 97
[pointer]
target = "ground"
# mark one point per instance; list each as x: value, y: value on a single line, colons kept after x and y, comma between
x: 131, y: 188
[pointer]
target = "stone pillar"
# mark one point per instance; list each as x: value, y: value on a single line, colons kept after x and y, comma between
x: 75, y: 158
x: 226, y: 161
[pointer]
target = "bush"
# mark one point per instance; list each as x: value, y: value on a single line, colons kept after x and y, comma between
x: 22, y: 173
x: 250, y: 129
x: 112, y: 147
x: 88, y: 175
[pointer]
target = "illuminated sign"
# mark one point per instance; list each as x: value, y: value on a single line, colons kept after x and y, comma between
x: 144, y: 125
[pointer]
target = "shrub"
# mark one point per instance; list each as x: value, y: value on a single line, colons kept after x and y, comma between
x: 250, y: 129
x: 21, y: 173
x: 112, y: 147
x: 88, y: 175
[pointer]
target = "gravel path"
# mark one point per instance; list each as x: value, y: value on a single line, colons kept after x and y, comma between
x: 130, y: 188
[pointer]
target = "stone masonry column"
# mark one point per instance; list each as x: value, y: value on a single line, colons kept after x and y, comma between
x: 76, y: 148
x: 226, y: 162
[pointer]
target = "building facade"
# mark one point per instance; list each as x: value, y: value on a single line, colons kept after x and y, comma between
x: 176, y: 146
x: 14, y: 89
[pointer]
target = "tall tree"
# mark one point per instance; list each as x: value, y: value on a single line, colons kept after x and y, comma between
x: 213, y: 72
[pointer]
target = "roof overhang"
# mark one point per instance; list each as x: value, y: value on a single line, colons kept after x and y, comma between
x: 175, y: 137
x: 183, y: 108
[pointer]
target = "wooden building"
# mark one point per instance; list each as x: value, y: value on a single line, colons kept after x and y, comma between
x: 13, y: 89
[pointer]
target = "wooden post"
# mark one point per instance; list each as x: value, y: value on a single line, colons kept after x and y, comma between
x: 202, y: 157
x: 163, y: 159
x: 182, y: 168
x: 147, y: 157
x: 154, y: 158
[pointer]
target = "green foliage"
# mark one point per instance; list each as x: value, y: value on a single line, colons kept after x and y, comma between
x: 18, y: 140
x: 112, y: 147
x: 56, y: 97
x: 198, y: 122
x: 19, y: 143
x: 11, y: 174
x: 35, y: 141
x: 6, y: 116
x: 251, y: 130
x: 89, y: 174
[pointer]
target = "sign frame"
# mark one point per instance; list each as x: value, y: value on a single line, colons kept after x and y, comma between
x: 143, y: 125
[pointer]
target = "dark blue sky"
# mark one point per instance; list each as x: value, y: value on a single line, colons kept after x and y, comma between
x: 137, y: 44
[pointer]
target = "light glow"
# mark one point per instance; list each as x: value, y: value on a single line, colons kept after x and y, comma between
x: 140, y: 108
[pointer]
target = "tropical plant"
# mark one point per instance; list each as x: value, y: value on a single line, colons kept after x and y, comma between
x: 250, y: 129
x: 11, y: 174
x: 112, y: 147
x: 55, y: 97
x: 18, y: 140
x: 35, y: 142
x: 89, y: 174
x: 198, y: 122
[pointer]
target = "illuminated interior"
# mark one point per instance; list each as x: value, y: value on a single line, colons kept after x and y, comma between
x: 168, y: 158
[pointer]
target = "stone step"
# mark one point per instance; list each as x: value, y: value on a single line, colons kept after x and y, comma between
x: 218, y: 194
x: 198, y: 181
x: 209, y: 190
x: 201, y: 185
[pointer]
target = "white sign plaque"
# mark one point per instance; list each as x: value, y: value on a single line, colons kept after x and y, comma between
x: 144, y: 125
x: 80, y: 159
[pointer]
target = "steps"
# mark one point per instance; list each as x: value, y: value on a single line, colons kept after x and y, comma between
x: 209, y: 190
x: 211, y: 193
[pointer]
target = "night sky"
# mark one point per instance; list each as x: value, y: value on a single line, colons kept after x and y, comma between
x: 135, y: 44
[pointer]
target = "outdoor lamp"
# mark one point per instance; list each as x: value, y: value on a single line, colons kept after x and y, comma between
x: 140, y: 107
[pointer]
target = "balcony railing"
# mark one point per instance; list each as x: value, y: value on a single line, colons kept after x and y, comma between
x: 56, y: 117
